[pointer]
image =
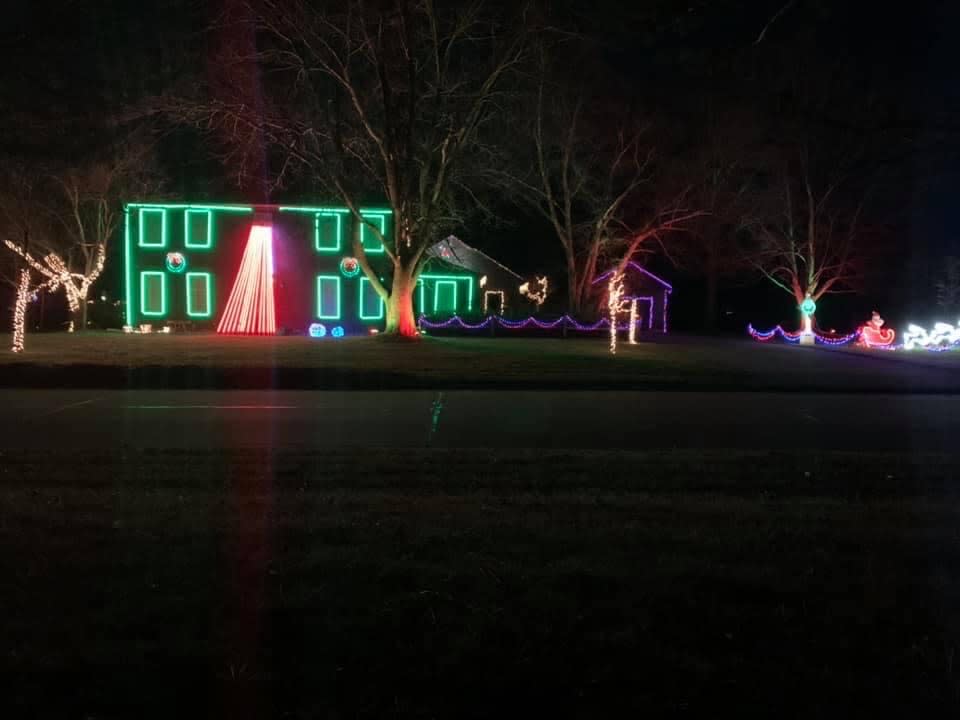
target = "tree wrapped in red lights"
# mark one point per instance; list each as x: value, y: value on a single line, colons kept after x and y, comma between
x: 380, y: 98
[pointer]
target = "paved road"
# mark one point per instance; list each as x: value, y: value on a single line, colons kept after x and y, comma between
x: 298, y: 419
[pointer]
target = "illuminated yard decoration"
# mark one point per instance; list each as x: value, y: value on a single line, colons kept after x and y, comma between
x: 317, y: 330
x: 633, y: 322
x: 873, y: 334
x: 250, y: 308
x: 537, y: 294
x: 943, y: 336
x: 337, y: 332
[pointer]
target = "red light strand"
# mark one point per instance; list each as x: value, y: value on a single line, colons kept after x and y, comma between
x: 250, y: 309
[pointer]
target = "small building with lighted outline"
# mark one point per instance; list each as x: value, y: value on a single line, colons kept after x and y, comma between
x: 651, y: 292
x: 260, y: 269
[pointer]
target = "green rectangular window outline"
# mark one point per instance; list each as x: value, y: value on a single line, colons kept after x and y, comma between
x: 208, y: 287
x: 468, y: 279
x: 321, y: 315
x: 363, y: 312
x: 188, y: 234
x: 316, y: 232
x: 163, y: 228
x: 436, y: 295
x: 380, y: 219
x: 421, y: 308
x: 143, y: 293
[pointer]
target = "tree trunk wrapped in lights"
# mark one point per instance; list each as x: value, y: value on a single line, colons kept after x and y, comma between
x: 615, y: 305
x: 20, y: 310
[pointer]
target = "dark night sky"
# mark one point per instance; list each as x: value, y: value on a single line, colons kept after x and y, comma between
x: 68, y: 61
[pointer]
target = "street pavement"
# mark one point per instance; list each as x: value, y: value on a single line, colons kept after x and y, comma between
x: 198, y: 419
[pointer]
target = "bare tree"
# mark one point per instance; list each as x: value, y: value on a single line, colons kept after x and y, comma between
x: 383, y: 98
x: 62, y: 228
x: 596, y: 187
x: 809, y: 236
x: 724, y: 165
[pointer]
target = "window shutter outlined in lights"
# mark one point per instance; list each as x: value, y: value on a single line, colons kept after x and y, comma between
x: 153, y: 293
x: 327, y: 231
x: 368, y: 237
x: 328, y: 297
x: 152, y: 228
x: 198, y: 229
x: 371, y: 304
x: 199, y: 289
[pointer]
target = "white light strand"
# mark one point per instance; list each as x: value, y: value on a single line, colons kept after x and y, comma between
x: 486, y: 301
x: 538, y: 296
x: 20, y: 310
x: 633, y: 322
x: 616, y: 305
x: 76, y: 286
x: 942, y: 334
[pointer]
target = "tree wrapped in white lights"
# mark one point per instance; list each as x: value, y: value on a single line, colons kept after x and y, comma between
x: 20, y: 310
x: 616, y: 304
x: 76, y: 285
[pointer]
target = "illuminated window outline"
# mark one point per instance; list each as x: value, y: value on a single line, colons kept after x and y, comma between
x: 187, y: 239
x: 163, y: 228
x: 454, y: 278
x: 163, y: 293
x: 486, y: 300
x: 208, y: 285
x: 320, y: 280
x: 436, y: 295
x: 362, y: 313
x: 365, y: 229
x: 316, y: 232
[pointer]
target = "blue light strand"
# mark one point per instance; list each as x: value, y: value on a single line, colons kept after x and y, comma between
x: 457, y: 321
x: 794, y: 338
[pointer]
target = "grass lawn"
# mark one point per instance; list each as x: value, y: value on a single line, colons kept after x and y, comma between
x: 477, y: 585
x: 206, y: 360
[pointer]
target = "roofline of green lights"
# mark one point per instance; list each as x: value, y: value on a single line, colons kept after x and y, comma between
x: 310, y: 209
x: 253, y: 208
x: 191, y: 206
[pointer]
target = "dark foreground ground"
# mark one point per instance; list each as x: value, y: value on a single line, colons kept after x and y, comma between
x: 476, y: 584
x: 207, y: 361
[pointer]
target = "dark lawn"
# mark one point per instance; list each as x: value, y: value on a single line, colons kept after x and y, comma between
x: 674, y: 362
x: 478, y: 585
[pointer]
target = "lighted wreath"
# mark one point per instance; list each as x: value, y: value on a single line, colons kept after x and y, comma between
x: 176, y: 262
x: 350, y: 267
